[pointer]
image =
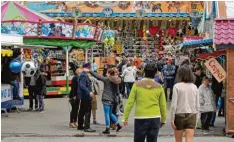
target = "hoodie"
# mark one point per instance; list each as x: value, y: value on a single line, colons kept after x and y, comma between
x: 110, y: 88
x: 129, y: 74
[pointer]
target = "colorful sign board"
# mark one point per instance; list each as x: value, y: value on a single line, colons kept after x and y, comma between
x: 84, y: 31
x: 56, y: 30
x: 20, y: 27
x: 52, y: 29
x: 216, y: 69
x: 116, y: 6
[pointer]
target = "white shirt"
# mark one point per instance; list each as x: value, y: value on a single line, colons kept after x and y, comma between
x: 129, y: 74
x: 185, y: 99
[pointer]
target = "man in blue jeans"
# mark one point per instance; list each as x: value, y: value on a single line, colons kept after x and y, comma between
x: 169, y: 71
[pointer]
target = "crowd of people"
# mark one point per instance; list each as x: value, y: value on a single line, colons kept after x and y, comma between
x: 192, y: 97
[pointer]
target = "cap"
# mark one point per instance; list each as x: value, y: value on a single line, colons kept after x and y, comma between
x: 87, y: 65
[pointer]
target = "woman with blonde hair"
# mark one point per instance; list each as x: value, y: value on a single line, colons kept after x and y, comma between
x: 185, y: 105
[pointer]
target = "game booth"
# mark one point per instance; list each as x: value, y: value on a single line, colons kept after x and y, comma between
x: 40, y: 30
x: 135, y: 29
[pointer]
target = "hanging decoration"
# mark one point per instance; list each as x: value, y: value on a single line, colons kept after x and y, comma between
x: 27, y: 54
x: 6, y: 52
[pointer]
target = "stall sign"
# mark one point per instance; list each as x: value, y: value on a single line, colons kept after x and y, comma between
x: 6, y: 93
x: 216, y: 69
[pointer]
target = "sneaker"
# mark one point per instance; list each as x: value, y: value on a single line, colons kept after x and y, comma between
x: 119, y: 113
x: 205, y: 132
x: 107, y: 131
x: 30, y: 109
x: 89, y: 130
x: 42, y: 111
x: 95, y: 122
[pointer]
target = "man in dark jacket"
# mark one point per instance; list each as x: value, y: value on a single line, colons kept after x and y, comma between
x: 85, y: 89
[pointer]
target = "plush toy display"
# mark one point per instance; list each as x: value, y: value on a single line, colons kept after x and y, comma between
x: 29, y: 69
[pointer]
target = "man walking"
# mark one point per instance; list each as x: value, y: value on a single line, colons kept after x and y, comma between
x: 85, y: 89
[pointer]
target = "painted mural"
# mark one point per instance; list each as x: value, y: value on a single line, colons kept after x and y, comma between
x: 120, y: 6
x: 61, y: 30
x: 20, y: 28
x: 85, y: 31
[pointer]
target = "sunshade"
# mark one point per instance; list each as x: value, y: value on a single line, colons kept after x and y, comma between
x: 15, y: 11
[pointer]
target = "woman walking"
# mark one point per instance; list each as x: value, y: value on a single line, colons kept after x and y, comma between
x: 109, y: 95
x: 185, y: 105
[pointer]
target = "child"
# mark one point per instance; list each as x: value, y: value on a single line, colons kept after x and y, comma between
x: 41, y: 89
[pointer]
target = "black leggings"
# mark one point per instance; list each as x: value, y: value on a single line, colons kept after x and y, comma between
x: 74, y: 111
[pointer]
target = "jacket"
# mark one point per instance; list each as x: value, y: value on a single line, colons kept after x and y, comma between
x: 85, y: 86
x: 41, y: 85
x: 74, y: 87
x: 129, y: 74
x: 207, y: 99
x: 110, y: 88
x: 150, y: 101
x: 169, y: 71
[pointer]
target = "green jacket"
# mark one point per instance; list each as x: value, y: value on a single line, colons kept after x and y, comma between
x: 150, y: 101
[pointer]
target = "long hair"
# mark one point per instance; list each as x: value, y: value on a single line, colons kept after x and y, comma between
x: 185, y: 74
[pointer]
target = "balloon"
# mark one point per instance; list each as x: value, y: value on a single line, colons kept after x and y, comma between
x: 29, y: 68
x: 15, y: 66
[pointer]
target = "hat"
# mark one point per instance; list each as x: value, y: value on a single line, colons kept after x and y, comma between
x: 87, y: 65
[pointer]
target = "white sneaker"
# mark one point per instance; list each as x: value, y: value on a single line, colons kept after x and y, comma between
x: 119, y: 113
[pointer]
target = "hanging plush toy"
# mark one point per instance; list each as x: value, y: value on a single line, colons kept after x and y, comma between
x: 27, y: 54
x: 144, y: 33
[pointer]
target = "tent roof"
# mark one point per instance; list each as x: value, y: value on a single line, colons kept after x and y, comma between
x: 15, y: 11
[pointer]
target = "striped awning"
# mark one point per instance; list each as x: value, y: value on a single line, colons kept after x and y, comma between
x: 197, y: 43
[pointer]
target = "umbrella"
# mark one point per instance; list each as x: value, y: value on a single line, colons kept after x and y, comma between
x: 15, y: 11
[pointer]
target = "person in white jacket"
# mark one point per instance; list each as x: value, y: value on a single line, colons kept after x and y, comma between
x: 129, y: 75
x: 207, y: 103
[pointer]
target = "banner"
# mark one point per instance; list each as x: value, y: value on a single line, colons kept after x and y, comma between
x: 84, y: 31
x: 19, y: 27
x: 56, y: 30
x: 6, y: 93
x: 116, y: 6
x: 216, y: 69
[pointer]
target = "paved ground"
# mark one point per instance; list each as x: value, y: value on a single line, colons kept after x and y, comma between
x: 53, y: 126
x: 104, y: 139
x: 56, y: 118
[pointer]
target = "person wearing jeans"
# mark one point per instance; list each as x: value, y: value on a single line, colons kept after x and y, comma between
x: 129, y: 75
x: 169, y: 77
x: 150, y: 109
x: 111, y: 89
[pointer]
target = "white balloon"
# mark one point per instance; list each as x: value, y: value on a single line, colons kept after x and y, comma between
x: 29, y: 69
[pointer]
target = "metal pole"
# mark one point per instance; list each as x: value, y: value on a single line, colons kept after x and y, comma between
x: 86, y: 55
x: 92, y: 53
x: 67, y: 48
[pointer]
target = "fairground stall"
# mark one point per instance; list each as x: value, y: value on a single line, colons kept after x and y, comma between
x: 48, y: 32
x: 135, y: 29
x: 224, y: 29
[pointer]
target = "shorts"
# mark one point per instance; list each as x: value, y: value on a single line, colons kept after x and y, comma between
x: 94, y: 103
x: 185, y: 121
